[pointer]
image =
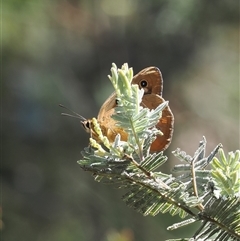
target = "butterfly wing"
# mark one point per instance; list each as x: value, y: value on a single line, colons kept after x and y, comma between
x: 150, y: 79
x: 165, y: 124
x: 107, y: 123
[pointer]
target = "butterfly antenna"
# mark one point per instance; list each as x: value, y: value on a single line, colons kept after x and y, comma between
x: 74, y: 116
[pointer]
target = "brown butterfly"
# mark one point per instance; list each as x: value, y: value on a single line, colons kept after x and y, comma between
x: 149, y: 79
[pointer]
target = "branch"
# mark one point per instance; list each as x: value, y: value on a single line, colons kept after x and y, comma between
x: 210, y: 196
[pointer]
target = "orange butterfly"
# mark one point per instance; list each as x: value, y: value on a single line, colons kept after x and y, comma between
x: 149, y: 79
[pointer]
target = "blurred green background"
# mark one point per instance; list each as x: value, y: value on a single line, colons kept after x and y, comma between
x: 61, y: 52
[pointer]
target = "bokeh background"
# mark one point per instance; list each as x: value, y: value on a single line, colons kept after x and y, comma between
x: 61, y: 51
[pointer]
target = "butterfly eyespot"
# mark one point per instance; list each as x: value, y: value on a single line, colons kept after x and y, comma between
x: 143, y: 83
x: 116, y: 101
